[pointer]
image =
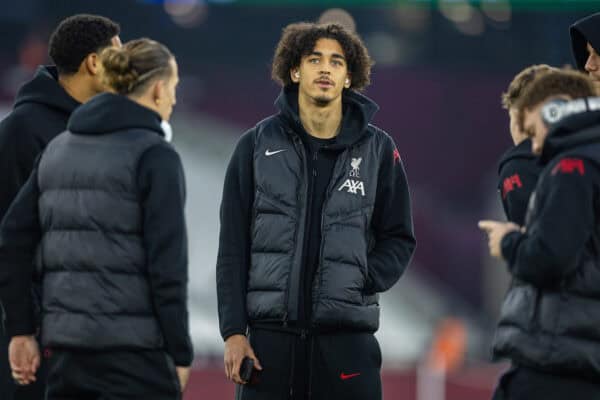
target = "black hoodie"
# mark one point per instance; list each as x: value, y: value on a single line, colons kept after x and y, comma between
x: 549, y: 317
x: 518, y: 171
x: 561, y: 216
x: 161, y: 194
x: 583, y: 31
x: 41, y: 111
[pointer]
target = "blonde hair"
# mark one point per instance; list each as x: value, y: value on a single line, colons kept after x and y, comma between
x: 521, y: 81
x: 559, y: 82
x: 129, y: 69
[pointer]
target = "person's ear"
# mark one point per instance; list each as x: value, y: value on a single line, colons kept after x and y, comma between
x: 295, y: 75
x: 92, y: 63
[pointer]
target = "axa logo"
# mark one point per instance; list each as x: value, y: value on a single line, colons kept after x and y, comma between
x: 354, y: 186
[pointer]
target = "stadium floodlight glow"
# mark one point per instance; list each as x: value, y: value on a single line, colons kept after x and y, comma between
x: 473, y: 26
x: 338, y: 16
x: 456, y: 10
x: 186, y: 13
x: 497, y: 10
x: 412, y: 17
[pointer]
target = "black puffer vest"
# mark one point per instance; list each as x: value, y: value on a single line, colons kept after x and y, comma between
x: 95, y: 288
x: 279, y: 214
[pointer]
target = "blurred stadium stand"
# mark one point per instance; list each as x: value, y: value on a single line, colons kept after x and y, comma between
x: 438, y: 78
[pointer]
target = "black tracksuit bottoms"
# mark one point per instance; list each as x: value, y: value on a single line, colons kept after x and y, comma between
x: 111, y: 375
x: 521, y: 383
x: 323, y: 366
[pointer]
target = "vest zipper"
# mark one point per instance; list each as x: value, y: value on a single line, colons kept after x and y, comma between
x: 300, y: 241
x: 332, y: 183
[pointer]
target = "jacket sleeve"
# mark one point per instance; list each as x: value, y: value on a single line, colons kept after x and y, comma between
x: 517, y: 182
x: 233, y: 259
x: 550, y: 247
x: 162, y: 185
x: 18, y: 151
x: 20, y: 234
x: 391, y: 224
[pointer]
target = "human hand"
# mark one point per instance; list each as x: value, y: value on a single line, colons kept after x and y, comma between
x: 24, y: 358
x: 496, y: 231
x: 236, y: 348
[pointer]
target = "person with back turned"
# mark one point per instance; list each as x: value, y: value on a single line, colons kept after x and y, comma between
x: 102, y: 214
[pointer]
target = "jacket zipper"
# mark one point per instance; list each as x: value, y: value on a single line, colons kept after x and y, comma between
x: 332, y: 183
x: 307, y: 226
x: 302, y: 154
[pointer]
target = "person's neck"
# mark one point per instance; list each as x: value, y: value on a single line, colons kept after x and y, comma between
x: 320, y: 121
x: 77, y: 87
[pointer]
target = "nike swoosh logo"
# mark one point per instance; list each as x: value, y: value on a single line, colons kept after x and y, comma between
x: 270, y: 153
x: 343, y: 376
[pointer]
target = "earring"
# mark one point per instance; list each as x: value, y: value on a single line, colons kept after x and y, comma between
x: 297, y: 74
x: 347, y: 82
x: 157, y: 101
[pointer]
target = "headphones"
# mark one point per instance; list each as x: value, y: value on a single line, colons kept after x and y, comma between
x: 558, y: 109
x: 554, y: 110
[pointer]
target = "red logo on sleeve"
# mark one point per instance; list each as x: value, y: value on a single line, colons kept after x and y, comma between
x: 510, y: 184
x: 569, y: 166
x: 396, y: 156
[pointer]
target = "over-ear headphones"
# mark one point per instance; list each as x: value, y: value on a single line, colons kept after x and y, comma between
x: 554, y: 110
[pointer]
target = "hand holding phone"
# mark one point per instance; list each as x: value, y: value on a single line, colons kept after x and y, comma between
x: 248, y: 373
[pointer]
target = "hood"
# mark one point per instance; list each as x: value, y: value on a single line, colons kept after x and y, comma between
x: 578, y: 124
x: 45, y: 89
x: 358, y: 111
x: 522, y: 150
x: 583, y: 31
x: 107, y: 112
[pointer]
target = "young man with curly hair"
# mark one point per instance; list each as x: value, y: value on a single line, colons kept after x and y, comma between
x: 315, y: 223
x: 548, y: 325
x: 42, y: 107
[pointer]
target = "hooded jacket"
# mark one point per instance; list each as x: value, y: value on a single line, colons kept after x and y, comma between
x: 549, y: 318
x: 104, y: 208
x: 583, y: 31
x: 518, y: 171
x: 41, y: 111
x: 365, y: 225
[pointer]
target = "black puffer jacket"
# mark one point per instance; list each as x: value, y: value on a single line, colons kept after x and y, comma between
x: 366, y: 226
x: 549, y: 319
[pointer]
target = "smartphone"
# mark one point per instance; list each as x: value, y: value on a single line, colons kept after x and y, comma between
x: 247, y: 371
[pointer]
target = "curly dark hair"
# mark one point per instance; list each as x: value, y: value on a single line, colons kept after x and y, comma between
x: 299, y: 39
x: 78, y: 36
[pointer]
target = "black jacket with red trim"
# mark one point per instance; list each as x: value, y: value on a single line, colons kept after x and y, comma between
x: 518, y: 171
x: 549, y: 319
